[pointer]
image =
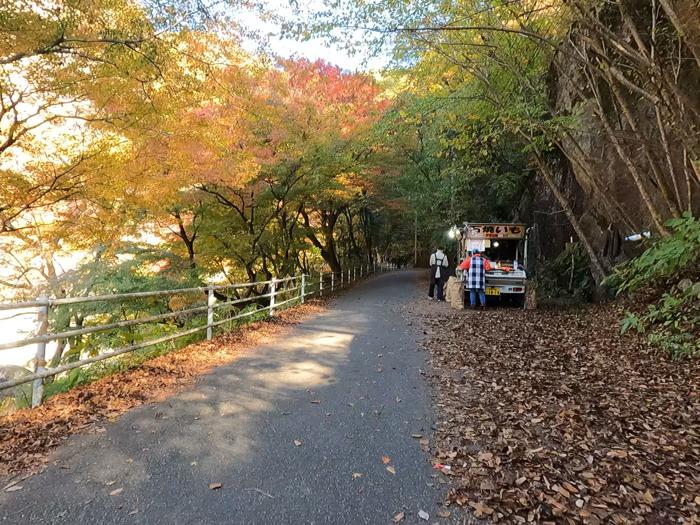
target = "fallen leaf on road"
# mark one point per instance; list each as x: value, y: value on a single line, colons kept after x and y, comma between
x: 215, y: 486
x: 480, y: 510
x: 13, y: 488
x: 356, y: 475
x: 398, y: 517
x: 297, y: 442
x: 442, y: 513
x: 386, y: 460
x: 417, y: 436
x: 391, y: 469
x: 423, y: 515
x: 116, y: 491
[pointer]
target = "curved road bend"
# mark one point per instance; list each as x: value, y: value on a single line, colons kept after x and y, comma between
x: 345, y: 384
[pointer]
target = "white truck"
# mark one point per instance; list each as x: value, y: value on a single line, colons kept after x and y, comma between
x: 505, y: 246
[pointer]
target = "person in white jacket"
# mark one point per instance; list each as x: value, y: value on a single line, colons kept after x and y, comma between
x: 438, y: 273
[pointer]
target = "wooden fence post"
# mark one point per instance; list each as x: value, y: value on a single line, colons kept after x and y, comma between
x: 210, y: 312
x: 273, y: 291
x: 40, y: 357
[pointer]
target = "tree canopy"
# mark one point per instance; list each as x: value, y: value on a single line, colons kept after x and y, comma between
x: 151, y: 124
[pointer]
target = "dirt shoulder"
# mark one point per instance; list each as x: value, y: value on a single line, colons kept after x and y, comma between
x: 552, y: 416
x: 27, y: 436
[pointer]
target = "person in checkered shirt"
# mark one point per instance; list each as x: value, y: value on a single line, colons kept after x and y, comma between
x: 474, y: 270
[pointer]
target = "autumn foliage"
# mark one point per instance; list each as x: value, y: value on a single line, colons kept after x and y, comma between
x: 226, y: 160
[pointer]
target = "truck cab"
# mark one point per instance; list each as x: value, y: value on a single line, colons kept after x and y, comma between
x: 505, y: 246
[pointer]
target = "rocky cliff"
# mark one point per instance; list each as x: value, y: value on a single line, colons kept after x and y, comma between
x: 630, y: 83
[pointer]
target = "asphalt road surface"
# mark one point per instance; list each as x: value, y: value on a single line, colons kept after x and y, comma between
x: 295, y: 432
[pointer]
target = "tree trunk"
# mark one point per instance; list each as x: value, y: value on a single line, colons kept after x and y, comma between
x: 328, y: 250
x: 596, y: 266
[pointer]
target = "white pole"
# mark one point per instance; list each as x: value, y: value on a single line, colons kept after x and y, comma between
x: 303, y: 287
x: 320, y: 284
x: 40, y: 357
x: 354, y: 274
x: 341, y: 277
x: 273, y: 290
x: 415, y: 239
x: 210, y: 312
x: 332, y: 281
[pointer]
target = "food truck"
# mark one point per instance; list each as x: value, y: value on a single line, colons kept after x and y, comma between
x: 505, y: 246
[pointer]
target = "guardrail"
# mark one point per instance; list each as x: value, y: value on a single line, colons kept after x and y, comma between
x: 276, y: 294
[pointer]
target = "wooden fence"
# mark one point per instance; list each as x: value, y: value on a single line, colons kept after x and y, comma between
x: 276, y: 294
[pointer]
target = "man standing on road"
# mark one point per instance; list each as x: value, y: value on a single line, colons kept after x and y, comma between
x: 476, y: 267
x: 438, y: 273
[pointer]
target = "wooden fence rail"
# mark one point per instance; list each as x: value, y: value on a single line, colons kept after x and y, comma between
x: 282, y: 292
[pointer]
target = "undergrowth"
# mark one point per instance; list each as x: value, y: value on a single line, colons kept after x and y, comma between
x: 667, y: 272
x: 568, y: 275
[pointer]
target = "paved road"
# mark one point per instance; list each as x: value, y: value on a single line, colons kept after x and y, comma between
x: 346, y: 384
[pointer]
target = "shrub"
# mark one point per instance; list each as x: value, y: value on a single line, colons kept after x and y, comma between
x: 665, y: 260
x: 568, y: 275
x: 668, y: 267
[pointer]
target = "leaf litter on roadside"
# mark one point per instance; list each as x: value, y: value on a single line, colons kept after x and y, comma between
x: 552, y: 416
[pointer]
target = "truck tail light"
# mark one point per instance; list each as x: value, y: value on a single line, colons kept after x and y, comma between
x: 518, y: 289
